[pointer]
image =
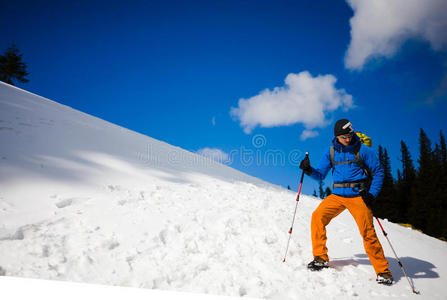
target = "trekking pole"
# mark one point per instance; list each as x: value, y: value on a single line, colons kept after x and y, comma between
x: 398, y: 260
x: 296, y: 206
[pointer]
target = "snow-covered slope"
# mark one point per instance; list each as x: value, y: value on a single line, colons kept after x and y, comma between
x: 88, y: 201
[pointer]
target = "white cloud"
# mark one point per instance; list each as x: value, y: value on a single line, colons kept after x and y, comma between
x: 304, y: 99
x: 380, y: 27
x: 214, y: 154
x: 308, y: 134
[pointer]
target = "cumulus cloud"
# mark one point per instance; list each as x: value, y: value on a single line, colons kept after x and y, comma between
x: 380, y: 27
x: 308, y: 134
x: 214, y: 154
x: 304, y: 99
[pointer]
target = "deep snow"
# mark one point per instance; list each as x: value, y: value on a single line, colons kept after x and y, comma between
x: 84, y: 200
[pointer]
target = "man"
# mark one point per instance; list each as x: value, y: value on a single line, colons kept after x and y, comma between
x: 352, y: 189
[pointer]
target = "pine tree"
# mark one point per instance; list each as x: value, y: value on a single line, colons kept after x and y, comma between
x: 388, y: 185
x: 436, y: 158
x: 385, y: 205
x: 11, y: 66
x: 425, y: 187
x: 315, y: 194
x: 378, y: 205
x: 442, y: 187
x: 399, y: 176
x: 443, y: 152
x: 422, y: 197
x: 405, y: 184
x: 436, y: 224
x: 408, y: 169
x: 435, y: 216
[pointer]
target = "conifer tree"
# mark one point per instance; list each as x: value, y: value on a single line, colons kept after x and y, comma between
x: 436, y: 158
x: 399, y: 176
x: 436, y: 224
x: 12, y: 67
x: 443, y: 151
x: 422, y: 197
x: 408, y: 169
x: 378, y: 205
x: 435, y: 217
x: 442, y: 187
x: 405, y: 183
x: 327, y: 191
x: 385, y: 205
x: 425, y: 187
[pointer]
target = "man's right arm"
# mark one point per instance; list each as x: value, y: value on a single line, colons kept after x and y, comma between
x: 323, y: 168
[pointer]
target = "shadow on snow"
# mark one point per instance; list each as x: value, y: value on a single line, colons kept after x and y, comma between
x: 414, y: 267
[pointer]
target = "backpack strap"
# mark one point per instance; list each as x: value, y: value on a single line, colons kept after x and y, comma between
x: 332, y: 154
x: 358, y: 160
x: 365, y: 168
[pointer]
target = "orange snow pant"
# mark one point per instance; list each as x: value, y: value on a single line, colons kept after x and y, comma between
x: 331, y: 207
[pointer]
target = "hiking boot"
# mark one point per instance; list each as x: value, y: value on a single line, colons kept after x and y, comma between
x: 317, y: 264
x: 385, y: 278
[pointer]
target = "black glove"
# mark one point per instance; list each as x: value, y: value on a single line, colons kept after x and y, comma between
x: 305, y: 166
x: 368, y: 198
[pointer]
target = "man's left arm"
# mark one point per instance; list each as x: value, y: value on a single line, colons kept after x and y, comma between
x: 372, y: 162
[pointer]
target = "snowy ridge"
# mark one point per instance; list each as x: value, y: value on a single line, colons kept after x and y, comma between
x: 84, y: 200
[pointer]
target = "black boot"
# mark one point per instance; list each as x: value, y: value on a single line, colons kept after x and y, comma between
x: 385, y: 278
x: 317, y: 264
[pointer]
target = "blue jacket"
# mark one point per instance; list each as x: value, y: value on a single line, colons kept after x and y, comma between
x: 350, y: 172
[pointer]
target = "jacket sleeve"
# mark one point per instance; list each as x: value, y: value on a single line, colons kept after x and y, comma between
x: 372, y: 162
x: 323, y: 168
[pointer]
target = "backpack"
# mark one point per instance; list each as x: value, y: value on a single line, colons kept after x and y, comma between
x: 364, y: 139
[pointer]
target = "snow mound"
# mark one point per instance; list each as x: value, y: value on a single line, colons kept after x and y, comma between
x: 84, y: 200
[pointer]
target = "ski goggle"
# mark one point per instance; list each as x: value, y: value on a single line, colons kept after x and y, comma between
x: 348, y: 136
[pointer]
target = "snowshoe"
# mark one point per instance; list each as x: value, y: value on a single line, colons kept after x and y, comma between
x: 385, y: 278
x: 317, y: 264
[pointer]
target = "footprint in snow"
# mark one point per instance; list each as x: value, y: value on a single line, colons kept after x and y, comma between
x: 122, y: 202
x: 46, y: 251
x: 163, y: 235
x: 113, y: 188
x: 64, y: 203
x: 110, y: 245
x: 18, y: 235
x: 271, y: 239
x: 69, y: 201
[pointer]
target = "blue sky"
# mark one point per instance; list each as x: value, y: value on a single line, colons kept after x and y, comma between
x: 174, y: 70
